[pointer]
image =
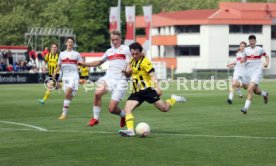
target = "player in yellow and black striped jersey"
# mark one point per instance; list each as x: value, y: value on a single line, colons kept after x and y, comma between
x: 145, y: 88
x: 84, y: 72
x: 52, y: 60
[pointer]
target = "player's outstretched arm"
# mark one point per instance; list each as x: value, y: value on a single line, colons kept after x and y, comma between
x: 91, y: 64
x: 266, y: 61
x: 231, y: 65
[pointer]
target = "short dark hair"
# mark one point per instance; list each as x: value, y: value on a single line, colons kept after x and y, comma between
x: 252, y: 37
x: 136, y: 46
x: 70, y: 38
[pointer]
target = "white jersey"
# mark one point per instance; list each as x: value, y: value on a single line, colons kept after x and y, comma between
x: 118, y: 60
x: 240, y: 66
x: 68, y: 61
x: 253, y: 57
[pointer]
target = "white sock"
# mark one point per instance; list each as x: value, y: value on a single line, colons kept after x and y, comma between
x: 96, y: 112
x: 122, y: 114
x: 239, y: 91
x: 231, y: 96
x: 247, y: 104
x: 66, y: 104
x: 263, y: 93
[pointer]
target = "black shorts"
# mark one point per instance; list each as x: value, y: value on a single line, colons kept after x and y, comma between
x: 149, y: 95
x: 57, y: 76
x: 84, y: 77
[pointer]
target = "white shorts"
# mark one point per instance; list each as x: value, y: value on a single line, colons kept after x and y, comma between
x: 116, y: 87
x: 254, y: 75
x: 70, y: 82
x: 239, y: 76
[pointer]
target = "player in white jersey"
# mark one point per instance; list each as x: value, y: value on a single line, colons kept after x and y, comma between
x: 254, y: 71
x: 114, y: 81
x: 239, y: 72
x: 67, y: 63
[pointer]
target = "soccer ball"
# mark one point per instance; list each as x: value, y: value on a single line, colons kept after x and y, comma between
x: 142, y: 129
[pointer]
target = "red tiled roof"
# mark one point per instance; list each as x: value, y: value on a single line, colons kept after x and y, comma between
x: 228, y: 13
x: 176, y: 18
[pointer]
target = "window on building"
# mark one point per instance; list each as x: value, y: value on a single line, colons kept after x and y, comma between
x: 192, y: 50
x: 159, y: 30
x: 245, y: 28
x: 233, y: 50
x: 187, y: 29
x: 273, y: 31
x: 273, y: 53
x: 140, y: 31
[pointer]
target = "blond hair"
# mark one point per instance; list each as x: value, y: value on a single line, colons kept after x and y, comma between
x: 115, y: 32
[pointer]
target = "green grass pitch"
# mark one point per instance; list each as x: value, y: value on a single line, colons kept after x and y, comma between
x: 203, y: 131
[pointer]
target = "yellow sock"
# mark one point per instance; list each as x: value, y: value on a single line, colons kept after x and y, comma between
x: 130, y: 121
x: 47, y: 94
x: 171, y: 101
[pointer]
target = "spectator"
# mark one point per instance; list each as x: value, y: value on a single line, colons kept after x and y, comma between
x: 5, y: 57
x: 16, y: 67
x: 27, y: 56
x: 3, y: 65
x: 23, y: 65
x: 32, y: 55
x: 40, y: 59
x: 10, y: 58
x: 45, y: 51
x: 9, y: 68
x: 30, y: 65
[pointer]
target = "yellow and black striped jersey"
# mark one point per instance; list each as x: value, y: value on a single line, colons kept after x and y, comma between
x: 140, y: 74
x: 52, y: 60
x: 84, y: 71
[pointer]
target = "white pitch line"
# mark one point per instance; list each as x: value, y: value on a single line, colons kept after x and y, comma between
x: 166, y: 134
x: 22, y: 124
x: 171, y: 134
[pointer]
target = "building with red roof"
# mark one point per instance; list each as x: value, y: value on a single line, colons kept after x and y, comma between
x: 208, y: 39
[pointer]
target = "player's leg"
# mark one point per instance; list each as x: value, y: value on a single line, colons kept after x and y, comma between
x: 101, y: 89
x: 130, y: 106
x: 45, y: 97
x: 70, y: 88
x: 235, y: 84
x: 51, y: 84
x: 240, y: 85
x: 250, y: 92
x: 66, y: 103
x: 164, y: 106
x: 259, y: 91
x: 117, y: 95
x: 114, y: 109
x: 151, y: 96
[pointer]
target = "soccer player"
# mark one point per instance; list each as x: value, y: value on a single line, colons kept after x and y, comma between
x: 145, y: 88
x: 239, y: 72
x: 254, y: 71
x: 84, y: 73
x: 114, y: 81
x: 52, y: 60
x: 67, y: 63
